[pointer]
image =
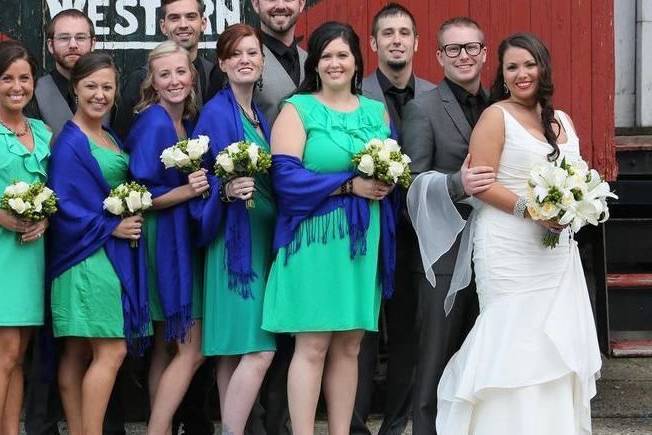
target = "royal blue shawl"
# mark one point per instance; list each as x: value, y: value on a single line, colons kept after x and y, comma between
x: 302, y: 194
x: 81, y: 227
x: 152, y: 132
x: 220, y: 121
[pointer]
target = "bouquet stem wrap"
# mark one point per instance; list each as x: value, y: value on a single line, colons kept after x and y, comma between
x: 81, y: 227
x: 304, y: 194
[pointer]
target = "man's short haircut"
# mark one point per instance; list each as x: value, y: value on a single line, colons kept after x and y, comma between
x: 72, y: 13
x: 458, y: 22
x: 392, y: 10
x: 201, y: 6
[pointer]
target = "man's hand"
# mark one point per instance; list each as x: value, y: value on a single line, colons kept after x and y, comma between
x: 477, y: 179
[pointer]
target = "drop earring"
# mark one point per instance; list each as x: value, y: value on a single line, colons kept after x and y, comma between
x: 505, y: 88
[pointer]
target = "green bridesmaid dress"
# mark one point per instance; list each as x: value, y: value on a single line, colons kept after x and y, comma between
x: 232, y: 325
x: 87, y: 298
x: 320, y: 288
x: 22, y: 265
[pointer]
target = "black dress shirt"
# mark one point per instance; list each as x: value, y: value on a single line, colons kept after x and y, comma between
x: 395, y: 98
x: 288, y: 57
x: 472, y: 105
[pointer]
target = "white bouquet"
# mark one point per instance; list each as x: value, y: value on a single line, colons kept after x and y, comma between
x: 569, y: 193
x: 242, y: 159
x: 31, y: 202
x: 383, y: 160
x: 186, y: 155
x: 128, y: 199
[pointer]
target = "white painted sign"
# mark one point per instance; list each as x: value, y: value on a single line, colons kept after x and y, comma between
x: 139, y: 17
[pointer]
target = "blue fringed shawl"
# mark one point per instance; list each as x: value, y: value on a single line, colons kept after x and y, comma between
x: 303, y: 194
x: 220, y: 121
x: 152, y: 132
x: 81, y: 227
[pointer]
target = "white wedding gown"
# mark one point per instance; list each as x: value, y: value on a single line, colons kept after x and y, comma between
x: 529, y: 365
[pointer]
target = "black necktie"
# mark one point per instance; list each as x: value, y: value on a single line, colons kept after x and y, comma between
x: 474, y: 104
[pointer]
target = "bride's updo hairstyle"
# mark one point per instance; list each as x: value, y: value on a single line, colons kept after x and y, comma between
x: 545, y: 88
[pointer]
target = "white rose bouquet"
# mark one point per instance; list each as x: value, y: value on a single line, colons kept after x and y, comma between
x: 186, y: 155
x: 128, y: 199
x: 31, y: 202
x: 242, y: 159
x: 383, y: 160
x: 567, y: 192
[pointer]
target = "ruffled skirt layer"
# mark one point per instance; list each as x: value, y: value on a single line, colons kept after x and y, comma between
x: 530, y: 363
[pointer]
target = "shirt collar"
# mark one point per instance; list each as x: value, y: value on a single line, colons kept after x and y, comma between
x: 278, y: 48
x: 386, y: 84
x: 462, y: 94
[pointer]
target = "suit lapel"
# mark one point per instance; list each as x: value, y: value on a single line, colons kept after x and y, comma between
x: 454, y: 110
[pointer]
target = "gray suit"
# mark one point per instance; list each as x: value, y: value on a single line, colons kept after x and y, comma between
x: 277, y: 84
x: 399, y: 314
x: 436, y: 137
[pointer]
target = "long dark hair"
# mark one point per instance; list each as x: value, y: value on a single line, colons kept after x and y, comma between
x: 319, y: 39
x: 545, y: 89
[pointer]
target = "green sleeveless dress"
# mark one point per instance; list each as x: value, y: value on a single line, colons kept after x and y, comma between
x: 22, y: 265
x: 232, y: 324
x: 320, y: 288
x: 87, y: 298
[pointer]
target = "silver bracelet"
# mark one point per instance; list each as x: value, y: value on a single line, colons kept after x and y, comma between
x: 519, y: 207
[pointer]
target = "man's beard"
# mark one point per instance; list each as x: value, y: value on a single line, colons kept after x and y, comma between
x: 397, y: 65
x: 269, y: 22
x: 63, y: 62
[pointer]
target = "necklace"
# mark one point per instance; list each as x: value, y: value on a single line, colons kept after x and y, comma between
x: 26, y: 128
x: 254, y: 121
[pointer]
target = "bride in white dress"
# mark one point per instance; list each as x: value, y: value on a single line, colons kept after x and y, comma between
x: 529, y: 365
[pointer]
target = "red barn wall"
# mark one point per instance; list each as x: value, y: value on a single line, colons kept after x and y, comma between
x: 579, y: 34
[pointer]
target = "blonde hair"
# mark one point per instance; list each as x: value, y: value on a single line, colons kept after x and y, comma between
x: 149, y: 96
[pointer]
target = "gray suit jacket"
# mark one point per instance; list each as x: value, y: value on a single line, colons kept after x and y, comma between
x: 277, y: 84
x: 436, y: 136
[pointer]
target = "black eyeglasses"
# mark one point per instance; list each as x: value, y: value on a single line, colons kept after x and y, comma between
x: 454, y: 50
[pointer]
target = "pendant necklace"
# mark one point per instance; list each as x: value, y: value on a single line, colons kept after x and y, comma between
x: 26, y: 128
x: 254, y: 121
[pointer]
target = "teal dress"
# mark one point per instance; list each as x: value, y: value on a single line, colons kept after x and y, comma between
x: 87, y: 298
x: 22, y: 265
x: 320, y: 288
x: 231, y: 323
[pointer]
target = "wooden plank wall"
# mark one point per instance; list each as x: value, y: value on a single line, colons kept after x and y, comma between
x: 579, y: 34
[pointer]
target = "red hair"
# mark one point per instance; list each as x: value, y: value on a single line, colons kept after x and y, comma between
x: 231, y: 37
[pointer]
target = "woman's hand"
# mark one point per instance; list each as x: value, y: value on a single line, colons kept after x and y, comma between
x: 370, y: 188
x: 241, y: 188
x: 129, y: 228
x: 34, y: 231
x: 12, y: 223
x: 198, y: 182
x: 552, y: 225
